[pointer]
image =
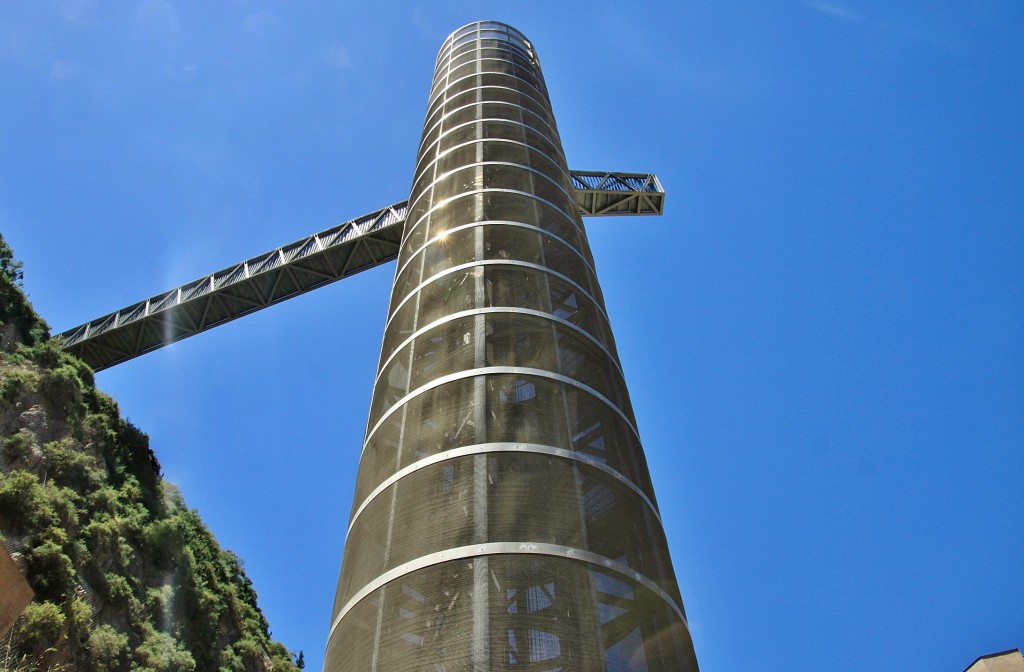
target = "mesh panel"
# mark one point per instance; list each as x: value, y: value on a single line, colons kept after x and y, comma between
x: 426, y: 621
x: 503, y: 516
x: 437, y: 507
x: 518, y: 408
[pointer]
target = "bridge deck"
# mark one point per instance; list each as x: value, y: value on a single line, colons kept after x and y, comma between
x: 314, y: 261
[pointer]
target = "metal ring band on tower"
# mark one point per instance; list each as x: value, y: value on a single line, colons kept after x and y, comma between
x: 415, y: 254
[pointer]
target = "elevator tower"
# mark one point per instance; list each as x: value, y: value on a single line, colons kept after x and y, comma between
x: 503, y: 517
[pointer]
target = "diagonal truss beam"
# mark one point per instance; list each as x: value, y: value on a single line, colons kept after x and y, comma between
x: 314, y: 261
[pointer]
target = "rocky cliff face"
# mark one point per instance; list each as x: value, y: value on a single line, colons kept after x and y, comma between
x: 126, y: 576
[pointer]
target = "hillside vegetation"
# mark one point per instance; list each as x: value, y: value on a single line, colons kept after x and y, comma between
x: 126, y: 576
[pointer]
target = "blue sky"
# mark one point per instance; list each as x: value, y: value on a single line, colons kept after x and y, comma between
x: 823, y: 337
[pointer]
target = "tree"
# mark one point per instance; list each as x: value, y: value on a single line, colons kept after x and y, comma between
x: 9, y: 267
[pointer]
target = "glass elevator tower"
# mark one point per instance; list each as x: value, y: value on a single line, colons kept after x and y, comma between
x: 503, y: 516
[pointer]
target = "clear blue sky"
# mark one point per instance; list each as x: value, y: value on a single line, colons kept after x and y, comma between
x: 824, y: 335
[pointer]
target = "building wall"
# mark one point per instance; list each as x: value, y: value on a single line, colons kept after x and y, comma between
x: 15, y: 593
x: 1007, y: 661
x: 503, y: 516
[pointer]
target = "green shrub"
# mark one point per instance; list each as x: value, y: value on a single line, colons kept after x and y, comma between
x: 22, y: 506
x: 63, y: 390
x: 69, y: 466
x: 165, y: 538
x: 61, y: 504
x: 118, y: 589
x: 14, y: 305
x: 101, y: 535
x: 47, y: 354
x: 79, y: 619
x: 251, y: 651
x: 51, y: 572
x: 106, y: 540
x: 39, y: 628
x: 18, y: 446
x: 57, y: 535
x: 15, y: 382
x: 102, y: 500
x: 108, y: 649
x: 230, y: 661
x: 159, y: 602
x: 160, y: 652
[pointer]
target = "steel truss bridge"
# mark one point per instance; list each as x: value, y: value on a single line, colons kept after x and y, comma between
x: 314, y: 261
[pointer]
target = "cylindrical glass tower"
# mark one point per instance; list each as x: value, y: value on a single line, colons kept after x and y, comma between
x: 503, y: 515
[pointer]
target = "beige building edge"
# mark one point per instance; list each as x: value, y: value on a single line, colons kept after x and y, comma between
x: 1004, y: 661
x: 15, y: 593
